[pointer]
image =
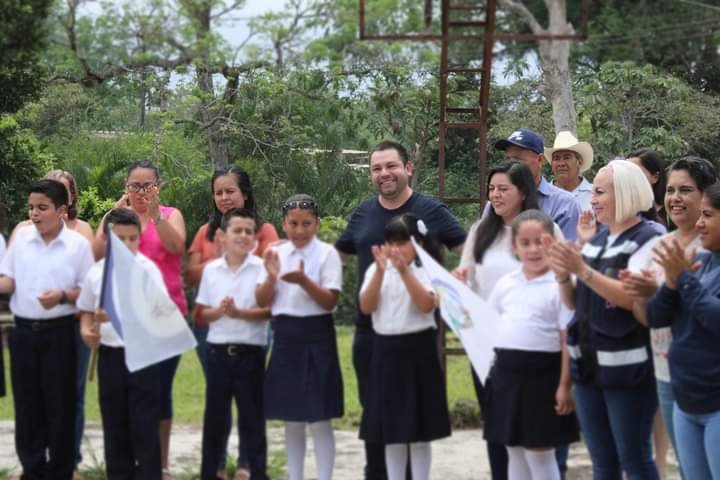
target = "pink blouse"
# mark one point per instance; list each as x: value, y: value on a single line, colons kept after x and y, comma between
x: 170, y: 265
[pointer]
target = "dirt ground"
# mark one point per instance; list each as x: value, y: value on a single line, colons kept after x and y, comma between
x: 460, y: 457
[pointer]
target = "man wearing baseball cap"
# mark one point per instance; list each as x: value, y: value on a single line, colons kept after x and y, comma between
x: 569, y: 158
x: 527, y: 146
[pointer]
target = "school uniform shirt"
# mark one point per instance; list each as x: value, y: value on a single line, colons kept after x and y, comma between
x: 36, y: 267
x: 322, y: 265
x: 89, y: 298
x: 2, y: 247
x: 396, y: 314
x: 660, y: 338
x: 531, y: 311
x: 219, y: 281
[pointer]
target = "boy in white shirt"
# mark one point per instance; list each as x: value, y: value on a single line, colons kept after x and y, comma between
x: 129, y: 401
x: 43, y: 269
x: 236, y: 346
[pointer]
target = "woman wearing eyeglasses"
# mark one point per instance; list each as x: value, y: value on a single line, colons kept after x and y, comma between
x: 162, y: 241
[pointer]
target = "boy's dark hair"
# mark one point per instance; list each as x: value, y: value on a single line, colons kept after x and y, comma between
x: 121, y: 216
x: 407, y: 225
x: 72, y: 209
x: 52, y: 189
x: 243, y: 182
x: 144, y: 163
x: 390, y: 145
x: 240, y: 213
x: 713, y: 195
x: 534, y: 215
x: 302, y: 201
x: 492, y: 224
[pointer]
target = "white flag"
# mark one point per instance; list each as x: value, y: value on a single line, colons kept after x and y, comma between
x: 140, y: 310
x: 470, y: 317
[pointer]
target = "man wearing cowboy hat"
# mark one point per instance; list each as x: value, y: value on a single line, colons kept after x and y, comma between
x: 527, y: 147
x: 569, y: 158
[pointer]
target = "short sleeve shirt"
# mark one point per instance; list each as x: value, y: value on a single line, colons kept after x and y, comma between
x: 367, y: 226
x: 321, y: 263
x: 561, y: 206
x: 396, y: 314
x: 531, y: 311
x: 36, y: 266
x: 219, y: 281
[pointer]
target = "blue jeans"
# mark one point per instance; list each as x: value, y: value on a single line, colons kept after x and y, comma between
x: 617, y: 426
x: 83, y: 356
x: 666, y: 399
x: 698, y: 443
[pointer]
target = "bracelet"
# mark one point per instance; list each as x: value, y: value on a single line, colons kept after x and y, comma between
x: 562, y: 281
x: 587, y: 275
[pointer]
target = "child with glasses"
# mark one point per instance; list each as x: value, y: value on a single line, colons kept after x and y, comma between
x: 303, y: 384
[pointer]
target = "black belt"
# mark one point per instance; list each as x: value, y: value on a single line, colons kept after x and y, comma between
x: 45, y: 324
x: 234, y: 349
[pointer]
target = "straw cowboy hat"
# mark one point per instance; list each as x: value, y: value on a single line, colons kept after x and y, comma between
x: 567, y: 141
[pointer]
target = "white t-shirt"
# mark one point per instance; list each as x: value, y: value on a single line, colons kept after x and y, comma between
x: 2, y: 247
x: 37, y: 266
x: 89, y: 298
x: 660, y: 338
x: 322, y: 265
x: 218, y: 282
x: 396, y: 313
x: 531, y: 312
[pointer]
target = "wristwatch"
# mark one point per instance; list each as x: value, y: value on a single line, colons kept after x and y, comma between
x: 63, y: 298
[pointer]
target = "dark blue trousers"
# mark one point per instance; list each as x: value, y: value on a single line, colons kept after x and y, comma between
x: 130, y: 409
x: 234, y: 372
x: 43, y: 374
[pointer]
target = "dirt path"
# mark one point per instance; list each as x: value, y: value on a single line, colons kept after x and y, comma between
x: 460, y: 457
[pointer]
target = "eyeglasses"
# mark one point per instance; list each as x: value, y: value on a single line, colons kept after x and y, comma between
x: 140, y: 187
x: 301, y: 204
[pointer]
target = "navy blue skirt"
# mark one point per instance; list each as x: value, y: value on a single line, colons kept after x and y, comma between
x: 520, y: 401
x: 303, y: 382
x: 406, y: 397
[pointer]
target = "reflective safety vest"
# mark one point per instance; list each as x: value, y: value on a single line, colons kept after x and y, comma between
x: 607, y: 345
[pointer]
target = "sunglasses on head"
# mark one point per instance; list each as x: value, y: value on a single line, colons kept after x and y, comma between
x: 301, y: 204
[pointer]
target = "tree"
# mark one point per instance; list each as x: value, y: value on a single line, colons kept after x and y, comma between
x: 554, y: 58
x: 22, y: 39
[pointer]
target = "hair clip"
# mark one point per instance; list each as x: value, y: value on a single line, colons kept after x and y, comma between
x: 422, y: 228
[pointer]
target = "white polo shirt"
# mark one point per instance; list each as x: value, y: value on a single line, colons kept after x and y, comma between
x: 532, y: 313
x: 322, y: 265
x: 2, y: 247
x: 218, y: 282
x: 89, y: 298
x: 396, y: 314
x: 36, y: 267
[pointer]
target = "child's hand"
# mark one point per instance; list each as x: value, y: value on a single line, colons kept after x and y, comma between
x: 461, y: 274
x: 398, y: 260
x: 296, y: 276
x: 564, y: 401
x: 586, y: 227
x: 227, y: 306
x: 100, y: 316
x: 565, y: 258
x: 272, y: 262
x: 91, y: 334
x: 380, y: 252
x: 50, y: 298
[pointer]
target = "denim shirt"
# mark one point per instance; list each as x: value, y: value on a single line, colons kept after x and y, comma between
x: 561, y: 206
x: 692, y: 310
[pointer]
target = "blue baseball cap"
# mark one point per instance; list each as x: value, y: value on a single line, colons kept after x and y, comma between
x: 523, y: 138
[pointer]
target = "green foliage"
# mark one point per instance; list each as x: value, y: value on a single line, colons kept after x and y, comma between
x: 21, y: 161
x: 92, y: 207
x: 22, y: 38
x: 625, y: 106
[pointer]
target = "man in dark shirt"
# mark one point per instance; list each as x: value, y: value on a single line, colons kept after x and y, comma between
x: 390, y: 172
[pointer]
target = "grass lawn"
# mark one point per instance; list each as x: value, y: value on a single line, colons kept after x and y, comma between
x: 189, y: 390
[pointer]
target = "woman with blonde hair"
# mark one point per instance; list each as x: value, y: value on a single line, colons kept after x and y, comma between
x: 610, y: 356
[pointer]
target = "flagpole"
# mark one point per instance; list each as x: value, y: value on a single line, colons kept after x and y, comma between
x: 93, y: 364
